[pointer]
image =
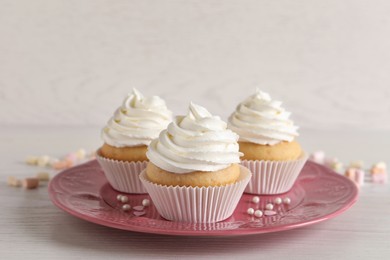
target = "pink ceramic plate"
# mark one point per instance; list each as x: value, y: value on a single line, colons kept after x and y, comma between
x: 318, y: 194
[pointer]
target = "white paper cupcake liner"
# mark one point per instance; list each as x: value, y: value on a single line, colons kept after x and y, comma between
x: 194, y: 204
x: 273, y: 177
x: 123, y: 176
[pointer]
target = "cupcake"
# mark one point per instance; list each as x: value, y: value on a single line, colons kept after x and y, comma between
x: 268, y: 141
x: 126, y: 136
x: 193, y: 174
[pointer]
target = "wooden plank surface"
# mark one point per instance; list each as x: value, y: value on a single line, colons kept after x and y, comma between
x: 31, y: 227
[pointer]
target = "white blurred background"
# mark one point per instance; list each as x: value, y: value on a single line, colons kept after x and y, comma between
x: 70, y: 63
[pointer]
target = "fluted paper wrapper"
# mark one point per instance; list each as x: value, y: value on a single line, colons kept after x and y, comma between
x: 273, y: 177
x: 194, y: 204
x: 123, y: 176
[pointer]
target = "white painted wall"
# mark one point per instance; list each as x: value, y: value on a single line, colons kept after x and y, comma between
x: 71, y: 62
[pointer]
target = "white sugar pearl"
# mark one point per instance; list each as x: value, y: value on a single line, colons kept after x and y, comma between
x: 258, y: 213
x: 278, y: 201
x: 124, y: 199
x: 287, y: 200
x: 250, y: 211
x: 119, y: 197
x: 145, y: 202
x: 269, y: 206
x: 255, y: 199
x: 126, y: 207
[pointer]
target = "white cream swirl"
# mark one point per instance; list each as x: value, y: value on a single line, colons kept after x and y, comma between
x: 261, y: 120
x: 195, y: 142
x: 137, y: 122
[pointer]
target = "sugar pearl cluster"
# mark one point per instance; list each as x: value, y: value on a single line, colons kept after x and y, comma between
x: 268, y: 210
x: 137, y: 210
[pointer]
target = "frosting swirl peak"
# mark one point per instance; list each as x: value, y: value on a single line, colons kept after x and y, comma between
x: 261, y: 120
x: 137, y: 121
x: 198, y: 141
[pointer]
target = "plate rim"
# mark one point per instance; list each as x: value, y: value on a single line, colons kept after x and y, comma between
x: 175, y: 232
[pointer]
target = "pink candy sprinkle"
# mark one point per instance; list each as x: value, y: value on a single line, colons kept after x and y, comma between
x: 139, y: 213
x: 379, y: 173
x: 356, y: 175
x: 138, y: 208
x: 379, y: 178
x: 60, y: 165
x: 359, y: 177
x: 72, y: 157
x: 269, y: 212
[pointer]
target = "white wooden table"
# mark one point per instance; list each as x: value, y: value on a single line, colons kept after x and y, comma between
x: 32, y: 227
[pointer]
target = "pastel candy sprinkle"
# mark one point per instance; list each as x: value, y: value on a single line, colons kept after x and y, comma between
x: 72, y: 157
x: 269, y: 212
x: 31, y: 160
x: 359, y: 176
x: 43, y: 161
x: 379, y: 178
x: 81, y: 153
x: 138, y: 208
x: 14, y: 182
x: 60, y: 165
x: 356, y: 164
x: 139, y: 213
x: 318, y: 157
x: 30, y: 183
x: 43, y: 176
